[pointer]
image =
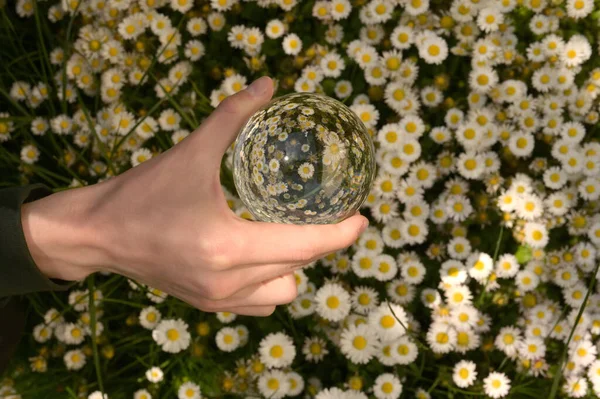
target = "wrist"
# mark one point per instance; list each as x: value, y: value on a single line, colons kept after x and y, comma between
x: 62, y: 235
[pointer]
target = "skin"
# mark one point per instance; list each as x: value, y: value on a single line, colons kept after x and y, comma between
x: 166, y: 223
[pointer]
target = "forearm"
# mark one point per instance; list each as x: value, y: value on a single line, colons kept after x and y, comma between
x: 63, y: 235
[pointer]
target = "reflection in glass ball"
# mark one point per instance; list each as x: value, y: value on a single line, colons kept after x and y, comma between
x: 303, y: 158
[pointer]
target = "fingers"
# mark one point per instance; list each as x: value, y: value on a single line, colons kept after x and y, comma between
x: 253, y: 274
x: 259, y: 311
x: 267, y: 294
x: 260, y: 242
x: 223, y: 125
x: 277, y: 291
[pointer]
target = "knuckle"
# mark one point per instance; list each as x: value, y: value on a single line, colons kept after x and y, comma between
x: 217, y: 253
x: 303, y: 255
x: 232, y: 103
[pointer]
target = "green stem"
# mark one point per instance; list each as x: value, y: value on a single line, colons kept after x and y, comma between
x: 558, y: 375
x: 496, y: 251
x: 92, y: 309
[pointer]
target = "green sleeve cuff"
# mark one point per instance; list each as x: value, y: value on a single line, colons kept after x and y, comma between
x: 18, y: 272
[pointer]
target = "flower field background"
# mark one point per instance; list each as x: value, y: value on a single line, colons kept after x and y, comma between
x: 477, y: 275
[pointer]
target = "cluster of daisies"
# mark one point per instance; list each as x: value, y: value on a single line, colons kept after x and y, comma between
x: 485, y: 233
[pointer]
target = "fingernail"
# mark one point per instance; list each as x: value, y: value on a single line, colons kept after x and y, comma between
x: 259, y: 86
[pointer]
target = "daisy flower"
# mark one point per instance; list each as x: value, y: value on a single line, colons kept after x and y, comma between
x: 30, y: 154
x: 333, y: 302
x: 227, y: 339
x: 489, y: 19
x: 172, y: 335
x: 387, y: 386
x: 433, y: 50
x: 496, y: 385
x: 482, y: 79
x: 314, y: 349
x: 576, y: 51
x: 189, y: 390
x: 340, y: 9
x: 332, y: 65
x: 139, y: 156
x: 536, y: 235
x: 275, y: 29
x: 358, y: 343
x: 273, y: 384
x: 579, y: 9
x: 457, y: 295
x: 292, y: 45
x: 507, y: 266
x: 196, y: 26
x: 441, y: 337
x: 575, y: 386
x: 404, y: 350
x: 73, y: 334
x: 464, y: 374
x: 74, y: 359
x: 416, y: 7
x: 154, y: 374
x: 388, y: 321
x: 459, y: 248
x: 149, y: 317
x: 277, y: 350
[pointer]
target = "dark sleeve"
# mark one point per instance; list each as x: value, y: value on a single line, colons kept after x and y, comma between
x: 18, y: 272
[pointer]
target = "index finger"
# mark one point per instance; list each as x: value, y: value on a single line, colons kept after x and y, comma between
x: 264, y: 242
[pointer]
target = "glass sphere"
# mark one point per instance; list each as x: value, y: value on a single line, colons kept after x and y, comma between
x: 303, y: 158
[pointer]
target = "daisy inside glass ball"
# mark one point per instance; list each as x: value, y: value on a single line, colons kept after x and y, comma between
x: 303, y: 158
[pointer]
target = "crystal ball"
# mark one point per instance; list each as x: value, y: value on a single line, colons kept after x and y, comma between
x: 303, y: 158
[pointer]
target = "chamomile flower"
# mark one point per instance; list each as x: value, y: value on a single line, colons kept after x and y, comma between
x: 575, y: 386
x: 149, y: 317
x: 457, y: 295
x: 73, y: 334
x: 416, y: 7
x: 172, y: 335
x: 387, y: 386
x: 333, y: 302
x: 277, y: 350
x: 364, y: 299
x: 154, y: 374
x: 358, y: 343
x: 388, y: 321
x: 464, y: 374
x: 314, y: 349
x: 340, y: 9
x: 496, y: 385
x: 275, y: 29
x: 489, y: 19
x: 536, y: 234
x: 441, y: 337
x: 385, y: 267
x: 227, y: 339
x: 292, y: 44
x: 74, y: 359
x: 507, y: 266
x: 579, y: 8
x: 189, y: 390
x: 332, y: 65
x: 273, y: 384
x: 527, y: 280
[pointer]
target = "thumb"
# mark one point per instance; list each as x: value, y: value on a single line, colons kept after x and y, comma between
x: 223, y: 125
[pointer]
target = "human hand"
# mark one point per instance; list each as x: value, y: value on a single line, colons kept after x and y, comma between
x: 166, y: 223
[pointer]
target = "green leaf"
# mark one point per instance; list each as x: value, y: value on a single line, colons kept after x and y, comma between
x: 523, y: 254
